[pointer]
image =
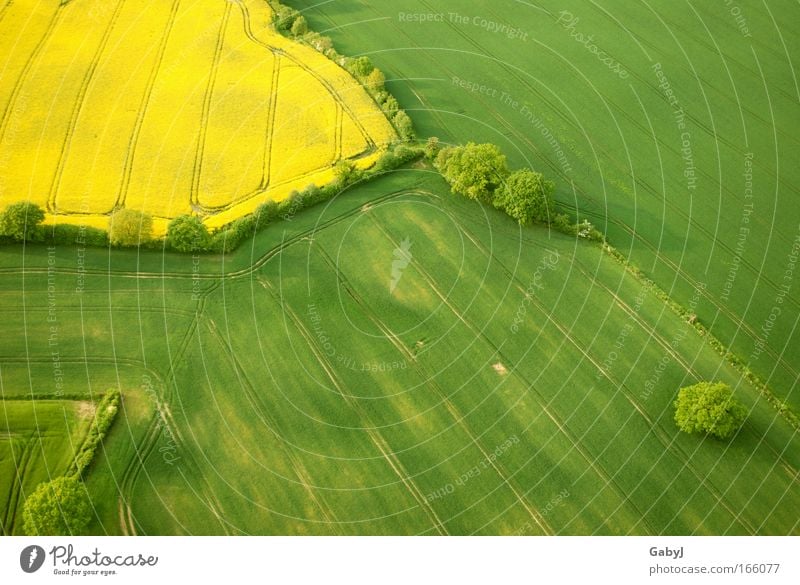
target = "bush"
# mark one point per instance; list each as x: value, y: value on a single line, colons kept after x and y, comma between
x: 432, y: 148
x: 57, y: 508
x: 187, y: 233
x: 20, y: 220
x: 68, y: 234
x: 129, y: 227
x: 321, y: 44
x: 312, y: 195
x: 585, y: 229
x: 563, y: 224
x: 386, y: 162
x: 709, y: 407
x: 407, y: 152
x: 346, y: 173
x: 266, y: 213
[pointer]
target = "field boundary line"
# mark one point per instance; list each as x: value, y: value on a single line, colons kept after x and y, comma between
x: 731, y: 357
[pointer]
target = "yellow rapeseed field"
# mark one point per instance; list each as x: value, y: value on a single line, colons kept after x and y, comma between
x: 170, y: 107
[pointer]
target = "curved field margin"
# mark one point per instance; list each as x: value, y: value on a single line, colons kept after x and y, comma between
x: 181, y: 107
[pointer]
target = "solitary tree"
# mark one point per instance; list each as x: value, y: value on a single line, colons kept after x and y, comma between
x: 129, y: 227
x: 709, y: 407
x: 526, y: 196
x: 187, y: 233
x: 20, y: 219
x: 473, y: 170
x: 57, y: 508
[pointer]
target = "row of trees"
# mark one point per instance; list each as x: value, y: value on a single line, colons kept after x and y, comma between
x: 480, y: 172
x: 291, y: 23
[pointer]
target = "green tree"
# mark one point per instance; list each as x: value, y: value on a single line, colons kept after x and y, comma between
x: 403, y: 124
x: 187, y: 233
x: 474, y: 170
x: 360, y: 67
x: 129, y: 227
x: 526, y: 196
x: 375, y: 80
x: 390, y: 105
x: 709, y: 407
x: 20, y: 219
x: 57, y: 508
x: 299, y: 26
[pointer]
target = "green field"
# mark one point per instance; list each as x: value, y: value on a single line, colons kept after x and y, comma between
x: 622, y: 167
x: 298, y: 395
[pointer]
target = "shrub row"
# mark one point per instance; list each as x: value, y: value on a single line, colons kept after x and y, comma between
x: 230, y: 236
x: 292, y: 24
x: 104, y: 415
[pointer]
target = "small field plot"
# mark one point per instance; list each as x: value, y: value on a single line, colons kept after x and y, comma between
x: 38, y: 440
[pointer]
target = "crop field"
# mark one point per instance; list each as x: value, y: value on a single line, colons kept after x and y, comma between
x: 499, y: 381
x: 400, y: 359
x: 169, y: 108
x: 671, y: 127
